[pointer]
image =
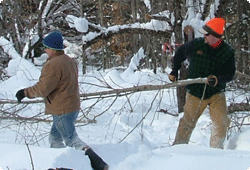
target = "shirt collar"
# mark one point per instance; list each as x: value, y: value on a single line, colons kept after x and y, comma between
x: 217, y: 44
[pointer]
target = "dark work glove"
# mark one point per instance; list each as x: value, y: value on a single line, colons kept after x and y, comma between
x: 212, y: 80
x: 173, y: 76
x: 20, y: 95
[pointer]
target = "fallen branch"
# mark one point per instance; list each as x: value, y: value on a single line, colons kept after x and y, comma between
x: 238, y: 107
x: 21, y: 118
x: 7, y: 101
x: 242, y: 78
x: 167, y: 112
x: 242, y: 75
x: 135, y: 89
x: 121, y: 92
x: 37, y: 119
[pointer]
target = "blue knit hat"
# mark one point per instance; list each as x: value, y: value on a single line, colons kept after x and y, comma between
x: 54, y: 41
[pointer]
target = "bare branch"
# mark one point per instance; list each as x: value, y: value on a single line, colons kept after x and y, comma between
x: 122, y: 92
x: 141, y: 119
x: 32, y: 163
x: 146, y: 87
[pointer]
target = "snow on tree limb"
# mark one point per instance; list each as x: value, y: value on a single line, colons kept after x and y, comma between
x: 18, y: 63
x: 9, y: 48
x: 153, y: 27
x: 92, y: 38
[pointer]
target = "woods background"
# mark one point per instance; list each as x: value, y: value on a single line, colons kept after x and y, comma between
x: 25, y: 22
x: 21, y: 19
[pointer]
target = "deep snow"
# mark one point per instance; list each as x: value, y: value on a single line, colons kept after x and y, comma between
x: 147, y: 147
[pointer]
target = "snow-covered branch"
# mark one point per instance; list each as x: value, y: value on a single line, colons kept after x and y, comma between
x: 82, y: 25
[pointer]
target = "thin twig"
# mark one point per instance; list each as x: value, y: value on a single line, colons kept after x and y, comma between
x: 32, y: 163
x: 141, y: 119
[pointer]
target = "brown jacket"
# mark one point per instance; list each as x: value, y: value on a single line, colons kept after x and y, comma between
x: 58, y: 84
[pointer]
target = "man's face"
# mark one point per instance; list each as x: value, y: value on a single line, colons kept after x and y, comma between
x: 49, y: 51
x: 207, y: 38
x: 210, y: 40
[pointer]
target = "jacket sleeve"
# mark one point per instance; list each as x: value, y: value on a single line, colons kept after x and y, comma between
x: 228, y: 70
x: 48, y: 81
x: 181, y: 55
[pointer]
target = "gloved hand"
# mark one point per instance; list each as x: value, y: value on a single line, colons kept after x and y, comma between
x: 20, y: 95
x: 212, y: 80
x: 172, y: 78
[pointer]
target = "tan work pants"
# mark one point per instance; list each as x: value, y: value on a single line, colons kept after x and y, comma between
x: 193, y: 109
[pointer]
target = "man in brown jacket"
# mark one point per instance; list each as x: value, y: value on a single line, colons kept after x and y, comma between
x: 58, y: 85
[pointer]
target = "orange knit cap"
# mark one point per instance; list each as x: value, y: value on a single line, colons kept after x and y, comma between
x: 215, y: 26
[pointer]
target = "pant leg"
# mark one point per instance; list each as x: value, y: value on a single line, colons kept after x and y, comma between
x: 220, y: 120
x: 55, y: 139
x: 193, y: 108
x: 66, y: 127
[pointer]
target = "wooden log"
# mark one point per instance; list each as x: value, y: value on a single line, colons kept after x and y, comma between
x: 121, y: 92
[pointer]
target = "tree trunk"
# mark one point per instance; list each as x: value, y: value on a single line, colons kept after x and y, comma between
x: 153, y: 42
x: 133, y: 7
x: 248, y: 53
x: 238, y: 40
x: 104, y: 60
x: 181, y: 91
x: 163, y: 59
x: 84, y: 56
x: 206, y: 10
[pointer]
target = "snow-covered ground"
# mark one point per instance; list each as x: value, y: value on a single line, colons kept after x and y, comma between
x: 117, y: 136
x: 24, y: 145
